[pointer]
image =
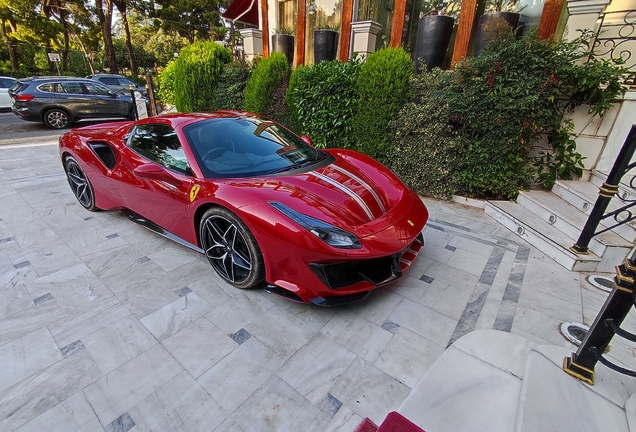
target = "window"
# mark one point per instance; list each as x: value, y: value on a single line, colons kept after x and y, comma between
x: 160, y: 144
x: 97, y: 89
x: 108, y: 81
x: 6, y: 82
x: 71, y: 87
x: 126, y: 82
x: 48, y: 87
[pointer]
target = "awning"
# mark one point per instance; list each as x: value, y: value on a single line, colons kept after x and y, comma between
x: 243, y: 11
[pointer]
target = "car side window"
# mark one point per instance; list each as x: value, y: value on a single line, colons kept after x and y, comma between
x: 160, y: 144
x: 108, y: 81
x: 48, y: 87
x: 71, y: 87
x: 97, y: 89
x: 6, y: 83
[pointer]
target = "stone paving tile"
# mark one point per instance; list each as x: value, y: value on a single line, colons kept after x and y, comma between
x: 98, y: 332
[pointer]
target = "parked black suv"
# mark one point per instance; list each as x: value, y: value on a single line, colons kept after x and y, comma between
x: 60, y: 101
x: 119, y: 83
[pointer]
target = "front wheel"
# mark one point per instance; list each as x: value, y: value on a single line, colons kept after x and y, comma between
x: 56, y: 119
x: 231, y: 248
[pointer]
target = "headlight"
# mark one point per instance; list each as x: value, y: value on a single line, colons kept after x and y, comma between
x: 330, y: 234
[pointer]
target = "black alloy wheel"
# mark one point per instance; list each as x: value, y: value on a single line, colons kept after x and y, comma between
x: 56, y: 119
x: 231, y: 248
x: 81, y: 187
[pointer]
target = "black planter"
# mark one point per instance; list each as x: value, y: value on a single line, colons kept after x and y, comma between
x: 433, y: 35
x: 325, y: 45
x: 284, y: 43
x: 510, y: 17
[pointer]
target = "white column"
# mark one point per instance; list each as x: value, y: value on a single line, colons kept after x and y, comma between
x: 363, y: 34
x: 252, y: 42
x: 583, y: 15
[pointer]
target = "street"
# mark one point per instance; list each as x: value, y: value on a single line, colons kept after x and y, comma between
x: 17, y: 131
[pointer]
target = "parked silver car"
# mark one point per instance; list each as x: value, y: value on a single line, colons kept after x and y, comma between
x: 119, y: 83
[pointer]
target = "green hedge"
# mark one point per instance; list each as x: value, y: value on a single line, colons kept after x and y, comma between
x: 196, y: 72
x: 267, y: 77
x: 383, y: 87
x: 165, y: 83
x: 230, y: 88
x: 428, y: 154
x: 322, y: 100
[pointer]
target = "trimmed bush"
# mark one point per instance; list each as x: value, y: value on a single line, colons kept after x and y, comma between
x: 266, y: 78
x: 383, y: 87
x: 196, y: 72
x: 428, y: 154
x: 165, y: 82
x: 322, y: 100
x: 230, y: 88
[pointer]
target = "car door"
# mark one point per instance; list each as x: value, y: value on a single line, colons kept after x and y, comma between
x: 73, y: 96
x: 155, y: 179
x: 106, y: 102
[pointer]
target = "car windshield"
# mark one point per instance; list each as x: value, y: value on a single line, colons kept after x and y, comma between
x: 247, y: 147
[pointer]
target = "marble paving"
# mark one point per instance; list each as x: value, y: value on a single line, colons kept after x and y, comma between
x: 104, y: 326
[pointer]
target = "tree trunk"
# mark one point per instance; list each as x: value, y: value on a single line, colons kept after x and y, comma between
x: 67, y: 44
x: 121, y: 7
x: 12, y: 46
x: 49, y: 49
x: 106, y: 20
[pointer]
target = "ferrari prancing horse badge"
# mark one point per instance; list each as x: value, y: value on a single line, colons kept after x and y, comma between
x: 194, y: 191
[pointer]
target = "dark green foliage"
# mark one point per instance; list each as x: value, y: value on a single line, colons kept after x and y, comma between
x: 383, y: 87
x: 505, y: 99
x: 230, y: 88
x: 428, y: 154
x: 267, y: 76
x: 196, y: 71
x: 471, y: 131
x: 322, y: 100
x: 277, y: 109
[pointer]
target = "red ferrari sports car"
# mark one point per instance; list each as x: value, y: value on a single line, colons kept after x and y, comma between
x: 262, y: 204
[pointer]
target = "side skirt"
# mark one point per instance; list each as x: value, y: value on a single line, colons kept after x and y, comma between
x: 140, y: 220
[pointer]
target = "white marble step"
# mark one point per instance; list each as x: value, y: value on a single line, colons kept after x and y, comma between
x: 583, y: 195
x: 568, y: 219
x: 550, y: 400
x: 473, y: 386
x: 543, y: 236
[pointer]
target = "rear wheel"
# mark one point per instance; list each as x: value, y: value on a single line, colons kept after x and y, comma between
x: 231, y: 248
x: 56, y: 119
x: 81, y: 187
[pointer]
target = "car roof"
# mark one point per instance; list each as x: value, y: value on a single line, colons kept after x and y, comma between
x: 107, y: 75
x: 53, y: 78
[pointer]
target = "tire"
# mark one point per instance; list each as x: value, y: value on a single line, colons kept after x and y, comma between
x: 231, y: 248
x: 80, y: 185
x: 56, y: 119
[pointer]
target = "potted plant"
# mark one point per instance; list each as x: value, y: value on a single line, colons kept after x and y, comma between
x: 434, y: 32
x: 283, y: 42
x: 325, y: 43
x: 497, y: 10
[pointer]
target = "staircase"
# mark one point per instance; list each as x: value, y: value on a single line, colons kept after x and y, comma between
x: 552, y: 222
x: 499, y: 382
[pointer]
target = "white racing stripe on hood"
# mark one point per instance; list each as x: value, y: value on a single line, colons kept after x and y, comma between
x: 346, y: 190
x: 362, y: 182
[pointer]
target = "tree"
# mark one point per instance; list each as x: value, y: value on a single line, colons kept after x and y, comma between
x: 192, y: 19
x: 122, y: 8
x: 105, y: 16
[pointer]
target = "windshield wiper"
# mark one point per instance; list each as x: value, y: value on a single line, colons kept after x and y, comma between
x: 294, y: 166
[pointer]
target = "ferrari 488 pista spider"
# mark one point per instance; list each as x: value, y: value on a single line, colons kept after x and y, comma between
x: 262, y: 204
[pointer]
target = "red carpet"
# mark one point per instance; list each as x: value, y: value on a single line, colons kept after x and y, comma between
x: 394, y: 422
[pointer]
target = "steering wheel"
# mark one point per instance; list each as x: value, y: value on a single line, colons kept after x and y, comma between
x: 214, y: 153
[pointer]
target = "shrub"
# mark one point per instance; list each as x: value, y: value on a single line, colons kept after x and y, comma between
x: 322, y: 100
x: 230, y: 88
x: 504, y: 100
x: 165, y: 82
x: 196, y: 71
x: 267, y: 76
x: 428, y: 154
x: 383, y: 88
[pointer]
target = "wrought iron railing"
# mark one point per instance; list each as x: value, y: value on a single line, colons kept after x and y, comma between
x: 616, y: 38
x: 606, y: 325
x: 610, y: 188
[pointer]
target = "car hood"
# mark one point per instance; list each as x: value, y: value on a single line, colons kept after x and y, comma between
x: 354, y: 192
